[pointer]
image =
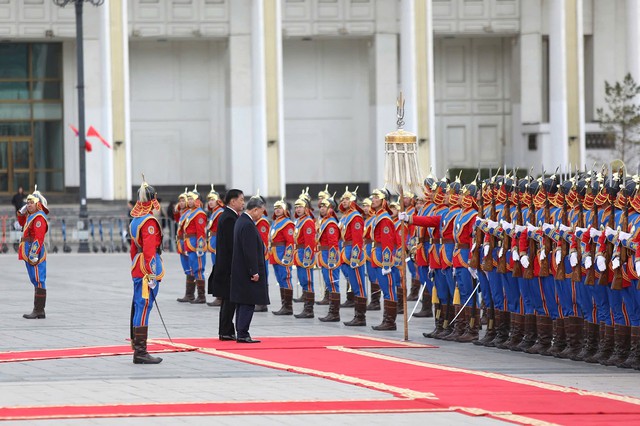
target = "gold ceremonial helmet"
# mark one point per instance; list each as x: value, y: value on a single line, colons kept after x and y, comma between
x: 304, y: 200
x: 395, y: 204
x: 37, y: 197
x: 350, y: 195
x: 184, y: 194
x: 280, y: 204
x: 194, y: 194
x: 408, y: 194
x: 366, y: 202
x: 380, y: 193
x: 213, y: 195
x: 324, y: 193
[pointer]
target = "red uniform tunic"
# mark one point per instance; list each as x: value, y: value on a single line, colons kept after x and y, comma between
x: 34, y: 233
x: 263, y: 226
x: 305, y: 239
x: 149, y: 238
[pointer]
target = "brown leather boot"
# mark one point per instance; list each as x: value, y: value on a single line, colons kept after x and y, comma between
x: 459, y: 325
x: 502, y: 325
x: 621, y: 339
x: 447, y: 327
x: 400, y: 293
x: 605, y: 347
x: 201, y: 297
x: 590, y: 342
x: 490, y: 334
x: 299, y: 299
x: 529, y: 336
x: 472, y: 325
x: 334, y: 308
x: 388, y: 317
x: 426, y: 311
x: 39, y: 301
x: 325, y: 299
x: 516, y: 333
x: 415, y: 289
x: 307, y: 312
x: 573, y: 328
x: 189, y: 292
x: 544, y: 327
x: 287, y: 302
x: 559, y: 341
x: 374, y: 305
x: 633, y: 359
x: 439, y: 322
x: 350, y: 302
x: 140, y: 354
x: 360, y: 317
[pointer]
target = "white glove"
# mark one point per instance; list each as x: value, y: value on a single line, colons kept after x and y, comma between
x: 23, y: 209
x: 587, y: 262
x: 624, y: 236
x: 515, y: 255
x: 558, y: 257
x: 615, y: 263
x: 531, y: 228
x: 547, y: 227
x: 543, y: 255
x: 473, y: 272
x: 564, y: 228
x: 500, y: 252
x: 580, y: 230
x: 609, y: 232
x: 506, y: 225
x: 491, y: 224
x: 403, y: 216
x: 600, y: 263
x: 33, y: 257
x: 524, y: 261
x: 16, y: 225
x: 485, y: 250
x: 151, y: 281
x: 386, y: 271
x: 638, y: 267
x: 573, y: 259
x: 594, y: 233
x: 520, y: 228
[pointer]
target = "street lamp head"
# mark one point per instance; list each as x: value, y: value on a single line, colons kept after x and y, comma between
x: 63, y: 3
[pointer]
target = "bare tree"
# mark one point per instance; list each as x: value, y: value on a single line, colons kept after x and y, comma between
x: 621, y: 120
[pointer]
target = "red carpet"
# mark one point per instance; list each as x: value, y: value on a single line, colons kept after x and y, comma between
x: 82, y: 352
x: 217, y: 408
x: 412, y: 385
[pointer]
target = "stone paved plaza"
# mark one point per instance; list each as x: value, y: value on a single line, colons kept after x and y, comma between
x: 88, y: 305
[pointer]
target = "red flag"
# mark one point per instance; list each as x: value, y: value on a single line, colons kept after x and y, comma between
x: 93, y: 132
x: 87, y: 144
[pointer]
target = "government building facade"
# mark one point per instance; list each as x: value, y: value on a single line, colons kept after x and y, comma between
x: 272, y: 94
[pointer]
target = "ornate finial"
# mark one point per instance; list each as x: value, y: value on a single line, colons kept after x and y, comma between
x: 400, y: 111
x: 212, y: 187
x: 144, y: 181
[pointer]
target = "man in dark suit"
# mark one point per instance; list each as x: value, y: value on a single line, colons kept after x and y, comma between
x: 248, y: 274
x: 234, y: 204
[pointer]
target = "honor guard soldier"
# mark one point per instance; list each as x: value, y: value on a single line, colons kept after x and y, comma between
x: 304, y: 257
x: 328, y: 238
x: 215, y: 206
x: 180, y: 215
x: 394, y: 207
x: 195, y: 241
x: 409, y: 201
x: 263, y: 225
x: 369, y: 220
x: 420, y: 250
x: 281, y: 250
x: 383, y: 257
x: 146, y: 268
x: 33, y: 219
x: 321, y: 196
x: 353, y: 254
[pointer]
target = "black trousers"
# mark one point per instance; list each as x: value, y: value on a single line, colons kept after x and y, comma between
x: 225, y: 326
x: 244, y: 314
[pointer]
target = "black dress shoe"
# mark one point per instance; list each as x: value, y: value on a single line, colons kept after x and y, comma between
x: 225, y: 337
x: 246, y: 340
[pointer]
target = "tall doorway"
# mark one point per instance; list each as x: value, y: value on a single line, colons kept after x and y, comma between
x: 16, y: 159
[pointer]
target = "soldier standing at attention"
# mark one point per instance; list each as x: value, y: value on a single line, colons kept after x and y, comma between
x: 33, y: 219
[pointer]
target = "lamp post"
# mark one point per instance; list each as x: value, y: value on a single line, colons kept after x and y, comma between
x: 83, y: 235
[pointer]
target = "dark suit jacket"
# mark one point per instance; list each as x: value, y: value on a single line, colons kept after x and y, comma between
x: 248, y: 260
x: 224, y: 253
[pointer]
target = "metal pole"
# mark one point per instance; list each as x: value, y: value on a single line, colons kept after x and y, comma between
x: 83, y: 242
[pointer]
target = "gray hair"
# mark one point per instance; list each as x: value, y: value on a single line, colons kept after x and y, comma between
x: 255, y: 202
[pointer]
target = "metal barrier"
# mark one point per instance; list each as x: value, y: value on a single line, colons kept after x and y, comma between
x: 106, y: 234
